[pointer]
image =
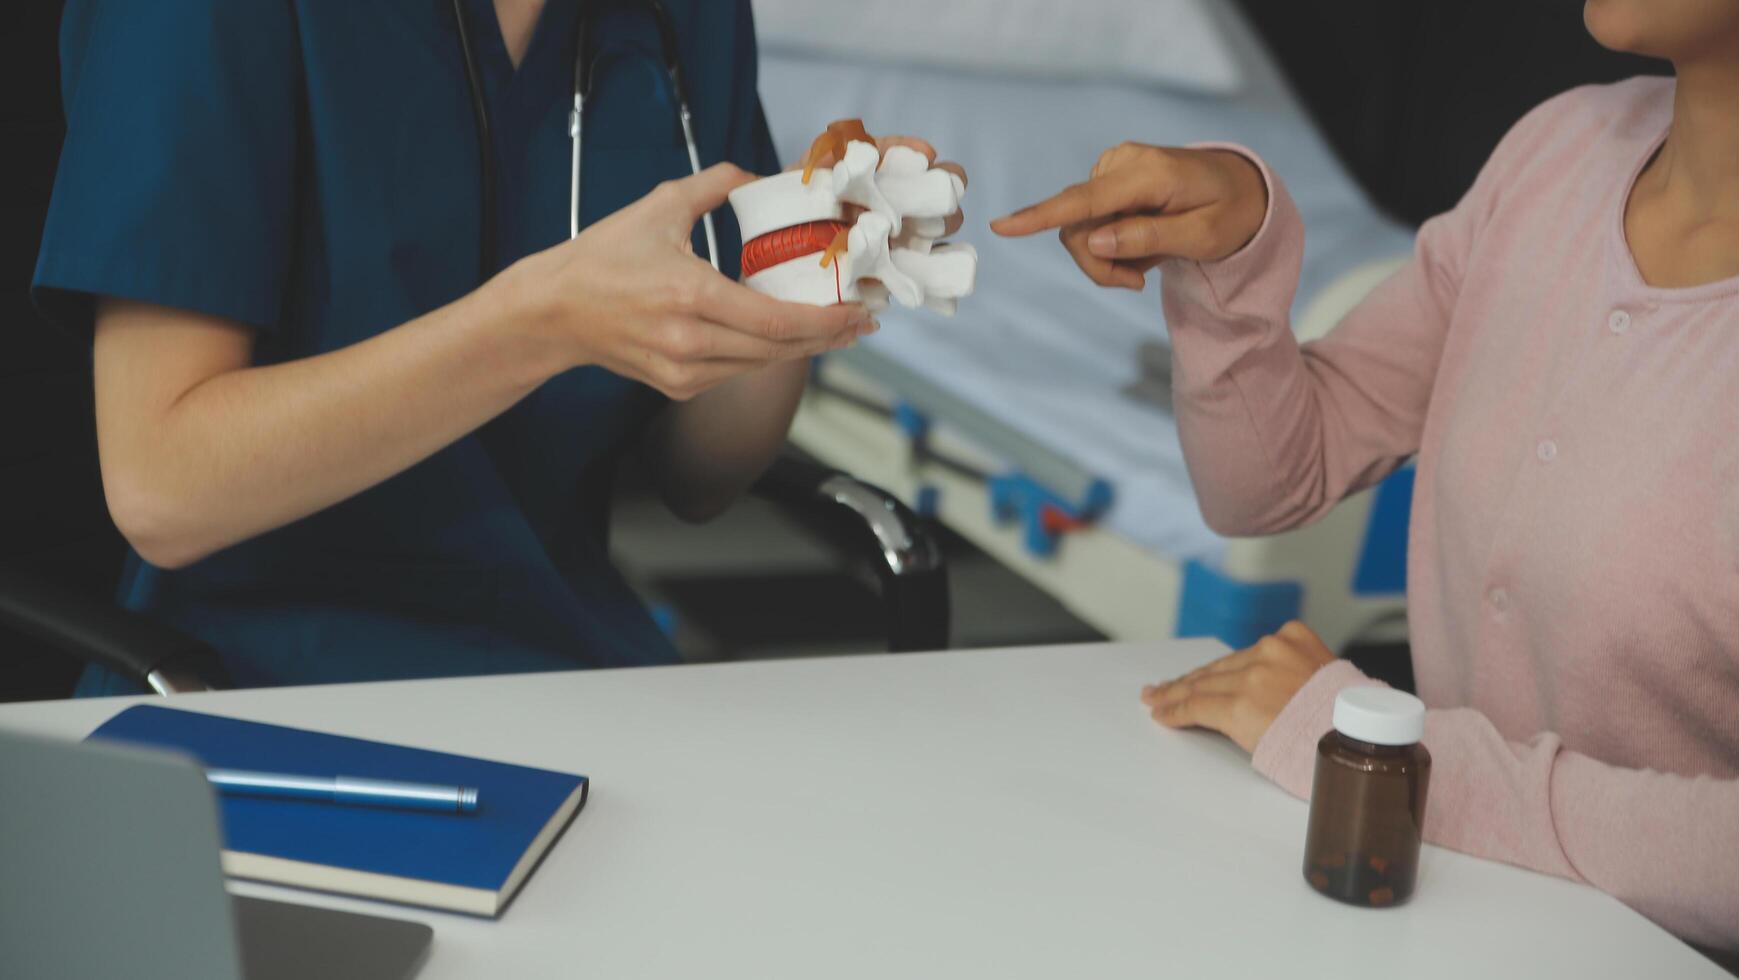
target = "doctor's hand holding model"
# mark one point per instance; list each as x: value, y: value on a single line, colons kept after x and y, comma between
x: 359, y: 396
x: 1562, y: 359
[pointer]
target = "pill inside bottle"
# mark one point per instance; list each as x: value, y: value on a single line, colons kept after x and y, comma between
x: 1367, y: 804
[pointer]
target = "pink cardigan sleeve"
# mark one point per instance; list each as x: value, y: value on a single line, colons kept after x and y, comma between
x: 1277, y: 433
x: 1666, y: 845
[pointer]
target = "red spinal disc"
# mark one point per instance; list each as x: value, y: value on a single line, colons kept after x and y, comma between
x: 777, y: 247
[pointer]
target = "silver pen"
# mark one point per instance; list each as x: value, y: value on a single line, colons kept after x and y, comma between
x: 353, y: 790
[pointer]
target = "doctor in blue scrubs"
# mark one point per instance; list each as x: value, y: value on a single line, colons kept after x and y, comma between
x: 339, y: 451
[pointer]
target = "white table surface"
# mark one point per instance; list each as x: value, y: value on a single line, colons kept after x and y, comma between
x: 993, y: 814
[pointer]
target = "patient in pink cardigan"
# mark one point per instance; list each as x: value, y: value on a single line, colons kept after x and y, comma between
x: 1561, y: 357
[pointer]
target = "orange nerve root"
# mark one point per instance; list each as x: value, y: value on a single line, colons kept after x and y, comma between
x: 837, y: 247
x: 832, y: 143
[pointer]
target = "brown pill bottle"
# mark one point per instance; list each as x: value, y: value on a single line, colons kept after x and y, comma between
x: 1367, y: 805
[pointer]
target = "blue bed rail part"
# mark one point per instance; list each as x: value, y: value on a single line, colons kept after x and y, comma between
x: 1238, y: 613
x: 1382, y: 567
x: 1233, y: 612
x: 1045, y: 509
x: 1044, y: 516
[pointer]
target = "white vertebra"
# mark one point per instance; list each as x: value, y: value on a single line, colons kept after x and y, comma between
x: 891, y: 249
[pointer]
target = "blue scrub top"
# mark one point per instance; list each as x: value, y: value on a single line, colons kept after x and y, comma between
x: 310, y: 168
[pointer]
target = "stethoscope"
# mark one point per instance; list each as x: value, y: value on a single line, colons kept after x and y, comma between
x: 585, y: 56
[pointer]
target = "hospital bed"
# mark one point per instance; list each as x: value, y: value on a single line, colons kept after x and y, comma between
x: 1012, y: 422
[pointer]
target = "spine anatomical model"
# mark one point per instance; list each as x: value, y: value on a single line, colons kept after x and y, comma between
x: 861, y: 231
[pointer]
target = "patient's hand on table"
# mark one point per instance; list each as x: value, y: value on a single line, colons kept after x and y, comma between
x: 1240, y: 695
x: 1144, y: 204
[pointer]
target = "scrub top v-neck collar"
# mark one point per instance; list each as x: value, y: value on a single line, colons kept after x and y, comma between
x: 554, y: 28
x: 518, y: 97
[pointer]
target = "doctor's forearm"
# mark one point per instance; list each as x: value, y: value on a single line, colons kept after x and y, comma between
x: 706, y: 452
x: 200, y: 451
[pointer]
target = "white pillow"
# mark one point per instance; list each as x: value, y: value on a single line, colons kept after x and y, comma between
x: 1167, y: 42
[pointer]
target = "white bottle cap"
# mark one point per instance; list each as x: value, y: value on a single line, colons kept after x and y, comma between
x: 1379, y: 715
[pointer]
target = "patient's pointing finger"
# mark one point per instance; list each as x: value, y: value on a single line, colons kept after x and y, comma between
x: 1101, y: 197
x: 1065, y: 208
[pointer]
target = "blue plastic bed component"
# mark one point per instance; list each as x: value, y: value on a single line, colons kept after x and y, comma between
x: 1236, y: 613
x: 914, y: 423
x: 1382, y: 567
x: 1040, y: 511
x: 928, y: 502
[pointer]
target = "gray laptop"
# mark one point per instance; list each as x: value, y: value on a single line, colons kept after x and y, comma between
x: 109, y: 868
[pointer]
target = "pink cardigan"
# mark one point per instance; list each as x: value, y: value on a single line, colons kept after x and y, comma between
x: 1573, y: 573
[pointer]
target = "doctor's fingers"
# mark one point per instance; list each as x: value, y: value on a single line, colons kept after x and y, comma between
x: 1114, y: 193
x: 924, y: 146
x: 693, y: 196
x: 685, y: 339
x: 1102, y: 271
x: 735, y: 305
x: 953, y: 222
x: 682, y: 380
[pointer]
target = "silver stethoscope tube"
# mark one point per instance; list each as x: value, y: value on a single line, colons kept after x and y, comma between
x: 706, y: 220
x: 576, y: 119
x: 576, y: 123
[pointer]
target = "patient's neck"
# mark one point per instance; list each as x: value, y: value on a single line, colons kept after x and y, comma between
x: 1699, y: 163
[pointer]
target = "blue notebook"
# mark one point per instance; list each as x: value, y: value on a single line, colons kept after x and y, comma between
x: 464, y: 863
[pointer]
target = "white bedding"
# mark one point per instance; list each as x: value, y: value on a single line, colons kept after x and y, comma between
x: 1038, y: 345
x: 1164, y: 42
